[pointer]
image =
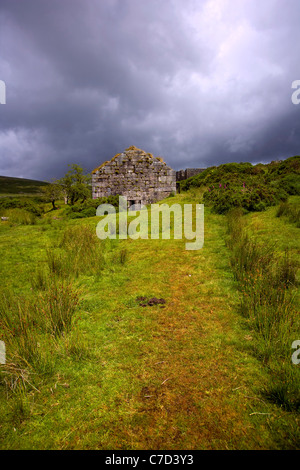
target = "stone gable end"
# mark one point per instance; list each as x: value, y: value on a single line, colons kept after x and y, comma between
x: 135, y: 174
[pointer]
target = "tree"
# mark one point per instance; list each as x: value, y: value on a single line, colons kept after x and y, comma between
x: 75, y: 184
x: 53, y: 192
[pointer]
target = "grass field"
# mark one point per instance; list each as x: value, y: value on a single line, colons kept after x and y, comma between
x: 92, y: 366
x: 10, y: 186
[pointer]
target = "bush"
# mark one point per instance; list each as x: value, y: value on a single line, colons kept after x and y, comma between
x: 265, y: 184
x: 256, y: 198
x: 291, y: 184
x: 88, y: 208
x: 75, y: 215
x: 89, y: 212
x: 29, y: 205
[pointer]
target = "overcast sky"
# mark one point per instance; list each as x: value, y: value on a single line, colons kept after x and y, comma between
x: 198, y: 82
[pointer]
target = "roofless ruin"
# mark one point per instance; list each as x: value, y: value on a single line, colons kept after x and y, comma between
x: 135, y: 174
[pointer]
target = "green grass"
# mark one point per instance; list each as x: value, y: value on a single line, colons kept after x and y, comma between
x: 290, y: 211
x: 13, y: 186
x: 268, y: 284
x: 188, y: 374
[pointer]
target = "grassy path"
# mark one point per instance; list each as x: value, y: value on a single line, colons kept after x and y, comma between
x: 174, y: 376
x: 191, y: 383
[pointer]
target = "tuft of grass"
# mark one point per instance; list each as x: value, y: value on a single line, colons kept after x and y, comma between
x: 57, y: 263
x: 28, y: 327
x: 123, y: 255
x: 56, y: 307
x: 19, y: 409
x: 290, y: 211
x: 283, y: 390
x: 83, y: 251
x: 286, y: 271
x: 21, y: 330
x: 267, y: 281
x: 77, y: 346
x: 79, y: 252
x: 39, y: 280
x: 20, y: 217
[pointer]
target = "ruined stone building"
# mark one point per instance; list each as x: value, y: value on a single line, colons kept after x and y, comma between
x: 185, y: 174
x: 135, y: 174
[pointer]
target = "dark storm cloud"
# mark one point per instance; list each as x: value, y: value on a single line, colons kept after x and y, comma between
x: 197, y: 82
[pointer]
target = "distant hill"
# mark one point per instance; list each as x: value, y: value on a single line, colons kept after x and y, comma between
x: 10, y: 185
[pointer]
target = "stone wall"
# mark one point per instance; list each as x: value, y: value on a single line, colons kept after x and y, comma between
x: 185, y: 174
x: 135, y: 174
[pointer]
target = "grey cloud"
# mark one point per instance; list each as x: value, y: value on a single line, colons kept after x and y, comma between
x: 197, y: 82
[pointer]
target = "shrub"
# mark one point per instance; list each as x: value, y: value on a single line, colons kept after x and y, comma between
x: 29, y: 205
x: 76, y: 215
x: 265, y: 184
x: 89, y: 206
x: 89, y: 212
x: 222, y: 198
x: 291, y: 184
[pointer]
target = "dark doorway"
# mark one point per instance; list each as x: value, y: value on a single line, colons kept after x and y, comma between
x: 136, y: 203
